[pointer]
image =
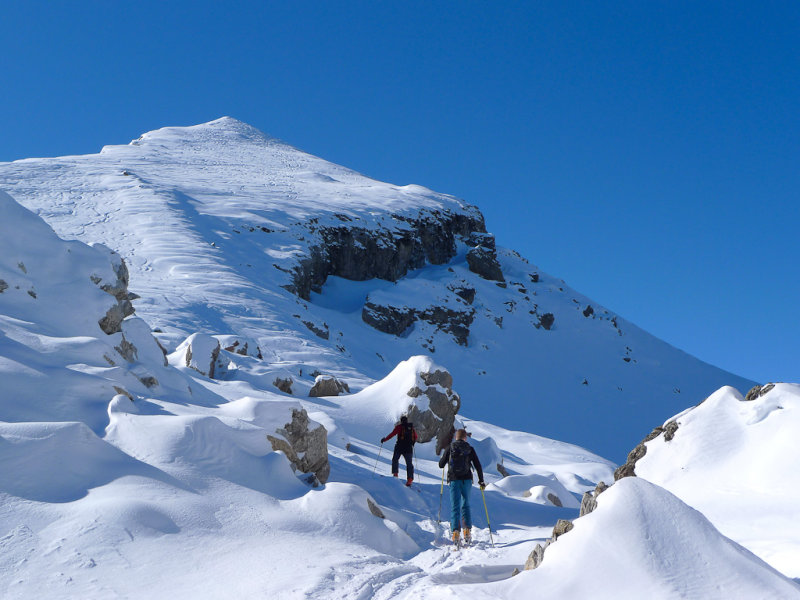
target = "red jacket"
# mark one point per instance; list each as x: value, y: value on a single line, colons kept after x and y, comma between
x: 396, y: 431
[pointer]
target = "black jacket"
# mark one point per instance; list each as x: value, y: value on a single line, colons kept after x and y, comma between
x: 473, y: 459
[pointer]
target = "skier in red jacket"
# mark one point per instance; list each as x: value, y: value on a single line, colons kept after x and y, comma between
x: 406, y: 438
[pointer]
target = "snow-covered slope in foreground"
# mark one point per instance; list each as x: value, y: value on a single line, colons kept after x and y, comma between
x: 736, y: 461
x: 641, y: 542
x: 125, y: 477
x: 229, y: 232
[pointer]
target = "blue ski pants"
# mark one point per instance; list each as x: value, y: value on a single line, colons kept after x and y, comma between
x: 460, y: 513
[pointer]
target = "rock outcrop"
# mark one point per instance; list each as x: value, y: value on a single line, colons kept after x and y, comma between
x: 327, y: 385
x: 284, y: 384
x: 629, y: 468
x: 434, y: 417
x: 483, y: 261
x: 536, y: 556
x: 111, y: 322
x: 397, y: 319
x: 357, y: 253
x: 305, y: 444
x: 757, y: 391
x: 589, y: 500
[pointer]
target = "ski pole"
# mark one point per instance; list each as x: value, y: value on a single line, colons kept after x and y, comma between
x: 487, y: 517
x: 377, y: 459
x: 441, y: 493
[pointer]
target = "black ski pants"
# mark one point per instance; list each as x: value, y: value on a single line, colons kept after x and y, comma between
x: 408, y: 456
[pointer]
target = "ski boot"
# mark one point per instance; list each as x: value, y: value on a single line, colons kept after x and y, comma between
x: 409, y: 482
x: 467, y: 536
x: 456, y: 540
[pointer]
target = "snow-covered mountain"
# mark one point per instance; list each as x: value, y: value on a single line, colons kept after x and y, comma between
x: 230, y: 232
x: 223, y: 438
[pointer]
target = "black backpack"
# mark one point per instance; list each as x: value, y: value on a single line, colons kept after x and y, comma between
x: 458, y: 466
x: 406, y: 434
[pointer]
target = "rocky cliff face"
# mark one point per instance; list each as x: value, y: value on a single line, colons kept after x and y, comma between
x: 357, y: 253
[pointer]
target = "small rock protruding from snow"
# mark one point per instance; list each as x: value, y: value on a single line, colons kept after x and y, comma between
x: 328, y: 385
x: 305, y: 444
x: 284, y: 384
x: 757, y: 391
x: 589, y: 500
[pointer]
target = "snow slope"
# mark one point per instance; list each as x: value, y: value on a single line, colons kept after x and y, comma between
x: 214, y: 219
x: 734, y: 461
x: 127, y: 473
x: 641, y: 542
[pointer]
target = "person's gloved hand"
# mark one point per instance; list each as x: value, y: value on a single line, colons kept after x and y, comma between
x: 383, y: 440
x: 482, y: 485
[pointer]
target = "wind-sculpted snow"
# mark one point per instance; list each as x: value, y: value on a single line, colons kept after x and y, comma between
x: 130, y: 469
x: 229, y: 232
x: 641, y: 542
x: 735, y: 461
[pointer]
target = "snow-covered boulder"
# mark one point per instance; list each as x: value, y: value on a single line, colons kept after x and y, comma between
x: 198, y: 352
x: 433, y: 405
x: 643, y: 542
x: 328, y: 385
x: 732, y: 459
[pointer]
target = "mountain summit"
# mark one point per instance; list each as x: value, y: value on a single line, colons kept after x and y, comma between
x: 233, y: 233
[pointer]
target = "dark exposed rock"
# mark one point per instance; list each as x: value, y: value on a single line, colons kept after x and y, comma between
x: 359, y: 254
x: 589, y: 500
x: 546, y: 320
x: 321, y: 332
x: 388, y: 319
x: 534, y: 277
x: 306, y: 449
x: 437, y: 421
x: 454, y: 322
x: 515, y: 572
x: 669, y: 430
x: 554, y: 500
x: 588, y: 311
x: 327, y: 385
x: 201, y: 353
x: 148, y: 381
x: 112, y: 321
x: 535, y: 558
x: 375, y: 509
x: 127, y: 350
x: 757, y: 391
x: 284, y: 384
x: 502, y: 470
x: 466, y: 293
x: 628, y: 469
x: 396, y: 320
x: 123, y: 392
x: 562, y: 526
x: 485, y: 240
x: 483, y: 261
x: 3, y: 286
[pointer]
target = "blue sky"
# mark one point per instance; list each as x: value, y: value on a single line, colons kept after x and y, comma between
x: 646, y: 152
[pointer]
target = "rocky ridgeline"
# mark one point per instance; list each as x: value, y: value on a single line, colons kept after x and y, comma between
x: 357, y: 253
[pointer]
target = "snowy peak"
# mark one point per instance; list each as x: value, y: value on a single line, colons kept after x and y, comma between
x: 231, y: 233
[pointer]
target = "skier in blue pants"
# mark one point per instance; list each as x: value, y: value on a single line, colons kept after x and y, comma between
x: 459, y: 457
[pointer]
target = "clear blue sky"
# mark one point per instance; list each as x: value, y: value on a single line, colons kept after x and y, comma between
x: 646, y: 152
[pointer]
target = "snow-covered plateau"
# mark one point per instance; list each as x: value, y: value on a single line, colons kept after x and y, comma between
x: 205, y: 334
